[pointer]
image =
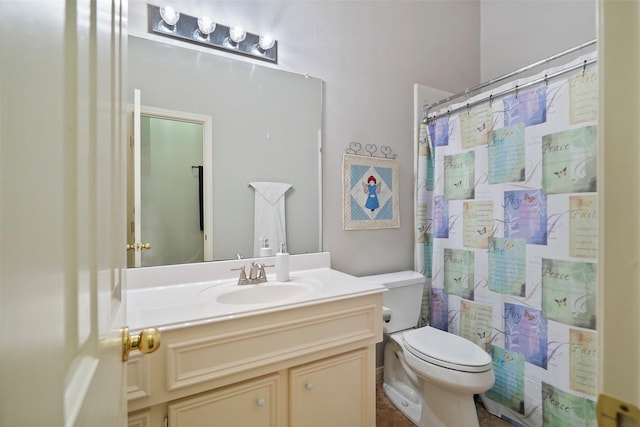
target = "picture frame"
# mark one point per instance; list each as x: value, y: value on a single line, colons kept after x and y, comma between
x: 370, y: 192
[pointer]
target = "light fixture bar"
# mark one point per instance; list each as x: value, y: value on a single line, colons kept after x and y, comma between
x: 186, y: 29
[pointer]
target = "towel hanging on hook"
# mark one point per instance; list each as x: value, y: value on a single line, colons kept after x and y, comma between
x: 269, y: 216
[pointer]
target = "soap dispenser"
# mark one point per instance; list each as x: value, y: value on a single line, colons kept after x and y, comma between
x: 265, y: 250
x: 282, y: 264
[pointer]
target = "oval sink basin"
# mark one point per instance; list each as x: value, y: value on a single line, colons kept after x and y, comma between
x: 263, y: 293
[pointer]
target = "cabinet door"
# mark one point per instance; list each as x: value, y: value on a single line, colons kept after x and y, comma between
x: 142, y: 419
x: 337, y: 392
x: 253, y: 403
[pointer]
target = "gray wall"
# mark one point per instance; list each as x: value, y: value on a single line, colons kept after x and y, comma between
x: 515, y: 34
x: 370, y: 54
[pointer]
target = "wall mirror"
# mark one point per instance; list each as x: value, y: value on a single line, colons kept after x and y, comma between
x: 265, y: 125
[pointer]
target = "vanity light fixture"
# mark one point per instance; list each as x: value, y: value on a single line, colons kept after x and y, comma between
x: 206, y: 25
x: 169, y: 15
x: 237, y: 35
x: 266, y: 42
x: 204, y: 31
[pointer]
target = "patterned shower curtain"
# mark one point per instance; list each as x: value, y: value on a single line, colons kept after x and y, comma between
x: 506, y: 217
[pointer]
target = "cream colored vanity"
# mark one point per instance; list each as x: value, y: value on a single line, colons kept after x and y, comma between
x: 305, y: 361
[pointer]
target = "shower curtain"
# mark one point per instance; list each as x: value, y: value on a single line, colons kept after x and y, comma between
x: 506, y: 235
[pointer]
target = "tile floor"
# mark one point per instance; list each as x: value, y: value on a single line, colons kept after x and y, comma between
x: 388, y: 416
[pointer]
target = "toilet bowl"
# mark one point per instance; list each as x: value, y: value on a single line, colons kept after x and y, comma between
x: 430, y: 375
x: 453, y: 369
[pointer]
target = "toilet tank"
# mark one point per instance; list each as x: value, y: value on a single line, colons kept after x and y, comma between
x: 404, y: 298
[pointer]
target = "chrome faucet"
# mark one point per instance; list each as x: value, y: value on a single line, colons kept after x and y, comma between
x: 256, y: 274
x: 253, y: 273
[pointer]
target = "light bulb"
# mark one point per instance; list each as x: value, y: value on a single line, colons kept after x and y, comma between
x: 206, y: 25
x: 169, y: 15
x: 237, y: 34
x: 266, y: 42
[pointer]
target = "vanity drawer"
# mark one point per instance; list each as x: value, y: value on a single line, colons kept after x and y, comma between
x: 271, y: 339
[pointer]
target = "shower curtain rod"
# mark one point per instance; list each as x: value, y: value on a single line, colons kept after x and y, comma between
x: 468, y: 91
x: 516, y: 88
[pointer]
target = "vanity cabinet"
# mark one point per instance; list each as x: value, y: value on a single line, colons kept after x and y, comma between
x: 306, y: 366
x: 253, y: 403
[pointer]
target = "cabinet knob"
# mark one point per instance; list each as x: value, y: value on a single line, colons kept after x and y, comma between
x: 309, y: 386
x: 260, y: 401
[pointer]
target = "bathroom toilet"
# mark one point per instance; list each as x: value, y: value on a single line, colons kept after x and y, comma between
x: 429, y: 375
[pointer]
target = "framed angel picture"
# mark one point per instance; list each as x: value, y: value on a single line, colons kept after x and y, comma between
x: 370, y: 193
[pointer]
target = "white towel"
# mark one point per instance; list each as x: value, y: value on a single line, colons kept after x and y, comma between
x: 269, y: 219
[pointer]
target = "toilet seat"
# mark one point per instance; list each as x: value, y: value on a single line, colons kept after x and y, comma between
x: 446, y: 350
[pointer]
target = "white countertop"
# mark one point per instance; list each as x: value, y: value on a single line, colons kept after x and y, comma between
x: 172, y: 306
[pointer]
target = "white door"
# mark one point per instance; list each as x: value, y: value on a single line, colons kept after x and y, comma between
x: 618, y: 254
x: 167, y: 203
x: 62, y: 212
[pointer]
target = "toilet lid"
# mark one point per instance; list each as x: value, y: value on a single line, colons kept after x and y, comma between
x: 447, y: 350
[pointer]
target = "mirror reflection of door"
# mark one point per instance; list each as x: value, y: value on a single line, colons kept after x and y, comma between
x: 170, y: 208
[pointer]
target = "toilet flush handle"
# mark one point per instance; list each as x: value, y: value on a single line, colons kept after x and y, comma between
x: 309, y: 386
x: 386, y: 314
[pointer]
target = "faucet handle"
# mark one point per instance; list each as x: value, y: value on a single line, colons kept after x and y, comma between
x: 242, y: 280
x: 262, y: 275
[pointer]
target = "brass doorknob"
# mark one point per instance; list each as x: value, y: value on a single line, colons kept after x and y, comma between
x: 146, y: 342
x: 138, y: 246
